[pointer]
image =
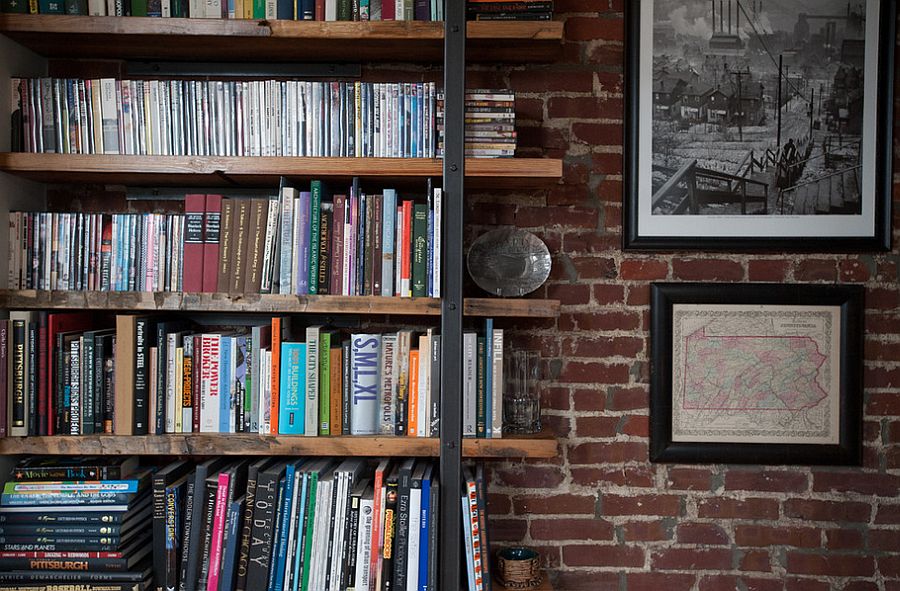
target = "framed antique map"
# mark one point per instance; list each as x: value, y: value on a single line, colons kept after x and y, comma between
x: 756, y: 373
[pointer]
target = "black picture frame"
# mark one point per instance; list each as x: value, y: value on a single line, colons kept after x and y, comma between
x: 645, y: 230
x: 704, y: 301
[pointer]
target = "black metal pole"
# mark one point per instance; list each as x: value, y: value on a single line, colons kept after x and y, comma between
x: 778, y: 140
x: 451, y: 298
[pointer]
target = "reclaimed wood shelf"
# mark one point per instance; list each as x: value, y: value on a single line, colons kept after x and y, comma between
x: 203, y: 444
x: 544, y: 586
x: 239, y: 171
x: 30, y: 299
x: 131, y: 38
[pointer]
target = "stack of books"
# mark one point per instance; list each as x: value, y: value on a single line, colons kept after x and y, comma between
x: 509, y: 10
x: 60, y: 528
x: 490, y: 123
x: 300, y: 524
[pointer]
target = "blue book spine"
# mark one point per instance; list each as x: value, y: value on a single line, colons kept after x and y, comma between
x: 414, y: 123
x: 303, y: 250
x: 73, y: 486
x: 238, y: 381
x: 292, y: 404
x: 281, y: 544
x: 284, y: 9
x: 424, y: 534
x: 488, y: 374
x: 226, y: 582
x: 389, y: 222
x: 226, y: 393
x: 309, y: 10
x: 276, y: 534
x: 70, y: 498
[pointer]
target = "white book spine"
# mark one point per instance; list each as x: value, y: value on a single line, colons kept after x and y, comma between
x: 467, y: 532
x: 172, y: 406
x: 386, y: 393
x: 269, y: 246
x: 364, y: 354
x: 415, y: 523
x: 497, y: 384
x: 287, y: 240
x: 424, y: 386
x: 363, y: 543
x: 209, y: 383
x: 265, y: 393
x: 438, y: 253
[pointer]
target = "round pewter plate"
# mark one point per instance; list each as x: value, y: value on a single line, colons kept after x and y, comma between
x: 508, y: 262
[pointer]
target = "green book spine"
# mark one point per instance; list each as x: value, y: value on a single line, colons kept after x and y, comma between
x: 259, y: 9
x: 325, y: 383
x: 76, y: 6
x: 315, y: 213
x: 138, y: 7
x: 45, y: 6
x: 420, y: 249
x: 344, y: 10
x: 480, y: 422
x: 311, y: 511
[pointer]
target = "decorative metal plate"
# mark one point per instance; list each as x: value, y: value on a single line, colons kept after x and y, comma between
x: 508, y: 262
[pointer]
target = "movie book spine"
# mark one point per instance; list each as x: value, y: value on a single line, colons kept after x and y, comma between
x: 37, y: 543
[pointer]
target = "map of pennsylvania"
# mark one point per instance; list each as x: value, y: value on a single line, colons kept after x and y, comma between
x: 754, y: 374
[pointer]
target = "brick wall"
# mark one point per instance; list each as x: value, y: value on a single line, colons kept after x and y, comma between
x: 602, y: 516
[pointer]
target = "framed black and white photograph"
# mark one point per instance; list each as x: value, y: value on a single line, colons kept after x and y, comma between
x: 756, y: 373
x: 759, y: 124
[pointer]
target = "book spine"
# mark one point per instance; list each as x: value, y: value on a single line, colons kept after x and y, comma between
x: 364, y: 356
x: 311, y: 385
x: 194, y: 205
x: 314, y: 224
x: 211, y: 235
x: 294, y: 377
x: 243, y: 562
x: 218, y: 531
x: 480, y: 401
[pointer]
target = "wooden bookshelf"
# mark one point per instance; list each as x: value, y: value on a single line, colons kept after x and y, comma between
x: 237, y: 171
x: 209, y: 444
x: 544, y: 586
x: 267, y: 304
x: 62, y: 36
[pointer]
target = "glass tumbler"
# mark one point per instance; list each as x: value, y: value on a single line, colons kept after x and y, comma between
x: 522, y: 396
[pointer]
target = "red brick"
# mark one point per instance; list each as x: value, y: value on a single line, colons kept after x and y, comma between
x: 508, y: 530
x: 894, y: 432
x: 608, y: 294
x: 877, y: 350
x: 883, y: 404
x: 689, y: 478
x: 853, y: 270
x: 760, y: 535
x: 498, y: 504
x: 885, y: 485
x: 643, y: 269
x: 590, y: 400
x: 570, y: 294
x: 647, y: 581
x: 882, y: 323
x: 882, y: 299
x: 766, y: 480
x: 628, y: 399
x: 554, y: 504
x: 618, y: 452
x: 607, y: 54
x: 610, y: 82
x: 584, y: 107
x: 575, y: 580
x: 806, y: 585
x: 692, y: 559
x: 833, y: 564
x: 724, y: 508
x: 860, y: 586
x: 522, y: 476
x: 664, y: 505
x: 767, y: 270
x: 591, y: 28
x: 756, y: 561
x: 598, y: 134
x: 603, y: 555
x: 815, y: 270
x: 707, y: 534
x: 889, y: 566
x: 844, y: 539
x: 592, y: 372
x: 731, y: 582
x: 545, y: 217
x: 534, y: 80
x: 630, y: 476
x: 529, y: 109
x: 595, y: 427
x: 636, y: 426
x: 707, y: 270
x: 647, y: 531
x: 882, y: 377
x: 607, y: 162
x: 818, y: 510
x: 887, y: 514
x: 884, y: 539
x: 571, y: 529
x: 601, y: 347
x: 555, y: 398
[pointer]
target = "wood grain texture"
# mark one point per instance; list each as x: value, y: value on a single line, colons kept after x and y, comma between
x: 30, y: 299
x: 61, y: 36
x: 203, y: 444
x: 236, y: 171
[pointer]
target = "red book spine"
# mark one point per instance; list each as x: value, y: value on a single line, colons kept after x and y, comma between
x: 194, y: 211
x: 276, y: 376
x: 406, y: 260
x: 320, y: 10
x: 218, y: 533
x: 388, y: 10
x: 211, y: 232
x: 337, y: 245
x: 44, y: 415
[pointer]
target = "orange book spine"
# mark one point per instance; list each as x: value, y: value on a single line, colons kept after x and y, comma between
x: 276, y: 367
x: 412, y: 398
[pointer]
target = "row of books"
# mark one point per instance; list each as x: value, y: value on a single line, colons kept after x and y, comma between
x: 235, y: 524
x: 74, y: 374
x: 509, y: 10
x: 319, y: 10
x: 490, y: 124
x: 224, y: 118
x: 62, y: 532
x: 300, y: 242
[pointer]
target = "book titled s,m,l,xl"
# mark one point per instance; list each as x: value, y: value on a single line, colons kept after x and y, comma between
x: 364, y: 361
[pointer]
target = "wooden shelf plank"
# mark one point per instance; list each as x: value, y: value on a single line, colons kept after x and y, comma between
x: 67, y: 36
x: 266, y: 303
x: 544, y: 586
x: 202, y: 444
x: 540, y: 445
x: 236, y: 171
